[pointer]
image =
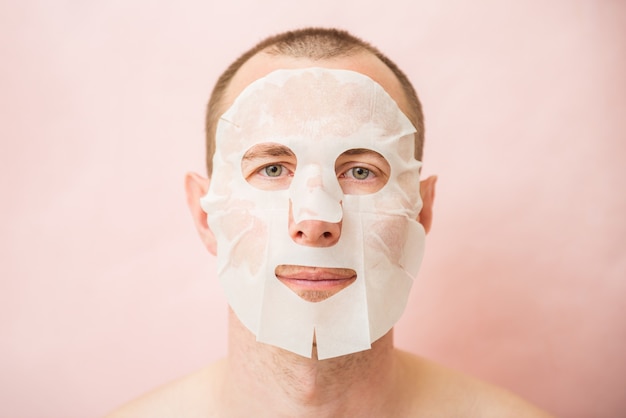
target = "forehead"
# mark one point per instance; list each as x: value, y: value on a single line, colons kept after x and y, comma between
x: 320, y: 104
x: 365, y: 63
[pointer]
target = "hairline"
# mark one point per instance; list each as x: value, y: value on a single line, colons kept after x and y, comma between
x: 278, y: 46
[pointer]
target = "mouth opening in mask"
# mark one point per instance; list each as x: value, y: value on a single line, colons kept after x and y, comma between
x: 314, y: 284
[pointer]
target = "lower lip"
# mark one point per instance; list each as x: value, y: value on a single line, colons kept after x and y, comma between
x: 317, y: 284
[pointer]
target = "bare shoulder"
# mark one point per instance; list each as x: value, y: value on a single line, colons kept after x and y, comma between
x: 189, y: 397
x: 439, y: 391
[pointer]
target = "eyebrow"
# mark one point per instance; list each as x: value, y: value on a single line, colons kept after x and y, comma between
x: 364, y: 151
x: 268, y: 150
x: 359, y: 151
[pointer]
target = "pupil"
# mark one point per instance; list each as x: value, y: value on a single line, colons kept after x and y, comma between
x: 360, y: 172
x: 273, y: 170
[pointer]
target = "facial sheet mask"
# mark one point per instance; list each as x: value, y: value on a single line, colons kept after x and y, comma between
x: 318, y: 114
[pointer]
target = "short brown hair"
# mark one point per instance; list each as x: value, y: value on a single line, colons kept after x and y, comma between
x: 315, y: 44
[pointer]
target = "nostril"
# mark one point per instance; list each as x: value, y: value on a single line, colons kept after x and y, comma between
x: 315, y: 233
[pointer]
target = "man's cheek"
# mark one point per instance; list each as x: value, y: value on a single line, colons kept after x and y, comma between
x: 221, y: 182
x: 409, y: 183
x: 387, y: 236
x: 236, y: 222
x: 249, y: 247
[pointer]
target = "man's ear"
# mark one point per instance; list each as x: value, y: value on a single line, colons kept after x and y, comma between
x: 427, y: 191
x: 196, y: 187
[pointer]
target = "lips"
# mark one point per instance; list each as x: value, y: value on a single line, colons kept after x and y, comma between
x: 314, y: 284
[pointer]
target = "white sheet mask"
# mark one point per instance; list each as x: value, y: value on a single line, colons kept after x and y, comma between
x: 318, y: 114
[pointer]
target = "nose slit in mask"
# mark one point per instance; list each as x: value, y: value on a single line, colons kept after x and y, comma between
x: 315, y: 196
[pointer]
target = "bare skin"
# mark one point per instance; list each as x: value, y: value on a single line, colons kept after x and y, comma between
x: 259, y: 380
x: 264, y: 381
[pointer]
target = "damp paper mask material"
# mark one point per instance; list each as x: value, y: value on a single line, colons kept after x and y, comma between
x: 318, y: 114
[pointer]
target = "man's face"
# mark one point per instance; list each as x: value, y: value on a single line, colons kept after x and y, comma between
x: 313, y: 203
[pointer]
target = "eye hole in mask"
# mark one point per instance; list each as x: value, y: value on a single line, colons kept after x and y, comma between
x: 271, y: 166
x: 362, y: 171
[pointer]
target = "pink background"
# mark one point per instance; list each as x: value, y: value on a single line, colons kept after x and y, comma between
x: 105, y: 290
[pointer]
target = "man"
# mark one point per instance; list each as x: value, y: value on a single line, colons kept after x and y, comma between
x: 316, y: 213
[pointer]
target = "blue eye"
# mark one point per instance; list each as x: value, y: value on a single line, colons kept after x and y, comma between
x: 273, y: 170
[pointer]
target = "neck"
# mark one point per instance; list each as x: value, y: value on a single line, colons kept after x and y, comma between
x: 278, y: 382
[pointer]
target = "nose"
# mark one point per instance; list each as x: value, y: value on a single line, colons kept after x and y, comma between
x: 315, y: 208
x: 314, y: 233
